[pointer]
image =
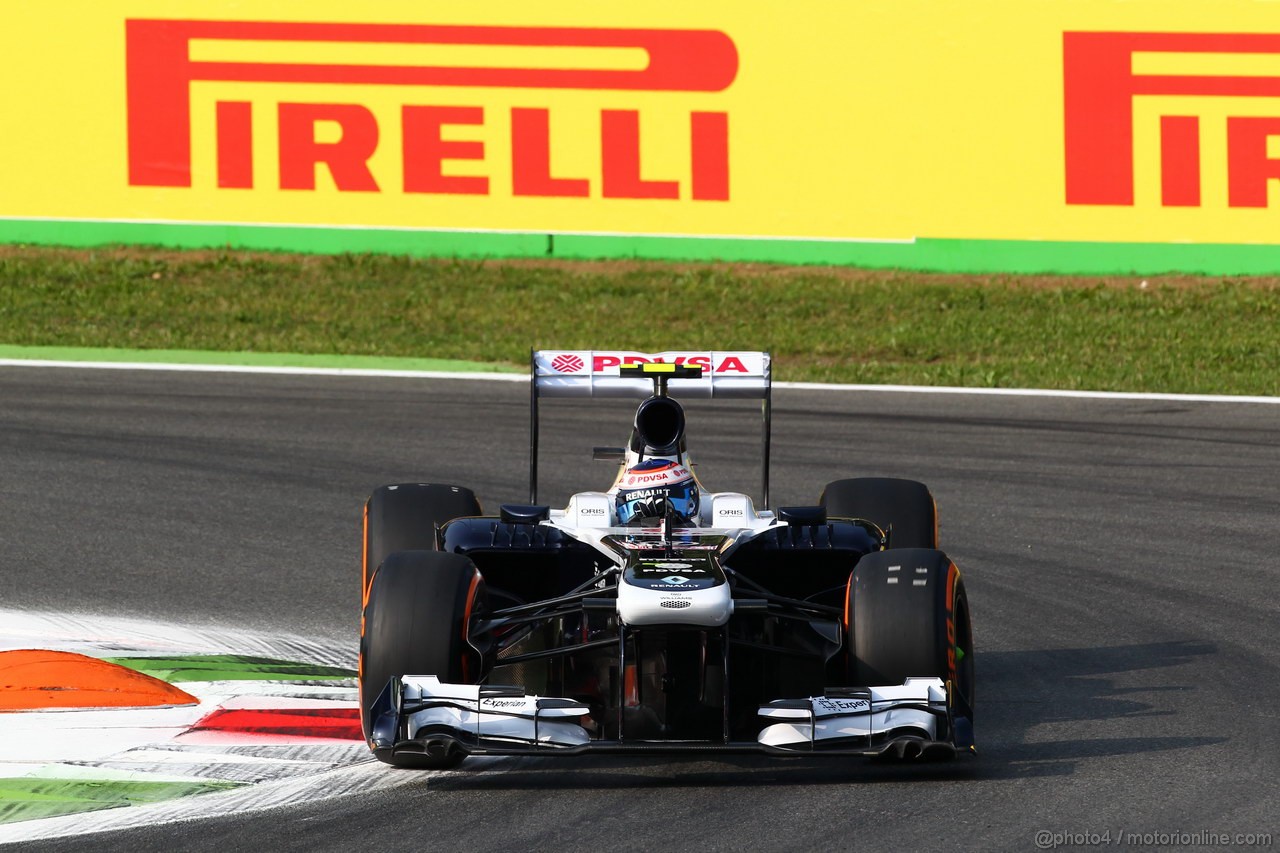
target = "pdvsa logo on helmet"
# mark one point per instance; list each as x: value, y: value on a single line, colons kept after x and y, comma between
x: 673, y: 474
x: 439, y: 143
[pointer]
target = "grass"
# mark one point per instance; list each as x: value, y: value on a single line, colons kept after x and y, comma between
x: 1175, y: 334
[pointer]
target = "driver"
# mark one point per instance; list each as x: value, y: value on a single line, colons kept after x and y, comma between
x: 655, y: 489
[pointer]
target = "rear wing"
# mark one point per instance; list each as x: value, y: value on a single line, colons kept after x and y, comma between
x: 594, y: 373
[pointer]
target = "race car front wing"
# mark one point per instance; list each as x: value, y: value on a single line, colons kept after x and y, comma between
x: 425, y: 715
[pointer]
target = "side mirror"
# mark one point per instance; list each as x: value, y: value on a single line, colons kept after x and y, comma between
x: 524, y: 514
x: 803, y: 515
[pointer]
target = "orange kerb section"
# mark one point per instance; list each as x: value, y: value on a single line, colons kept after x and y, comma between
x: 31, y: 679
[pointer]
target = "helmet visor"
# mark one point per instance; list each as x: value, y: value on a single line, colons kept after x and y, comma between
x: 680, y: 500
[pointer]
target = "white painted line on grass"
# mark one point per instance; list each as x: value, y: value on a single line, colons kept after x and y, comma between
x: 282, y: 370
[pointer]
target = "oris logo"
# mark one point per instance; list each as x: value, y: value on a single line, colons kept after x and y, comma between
x: 567, y: 363
x: 592, y: 510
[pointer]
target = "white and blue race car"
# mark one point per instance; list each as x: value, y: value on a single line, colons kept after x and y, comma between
x: 658, y: 615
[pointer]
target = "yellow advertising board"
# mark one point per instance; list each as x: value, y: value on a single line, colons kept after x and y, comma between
x: 834, y: 127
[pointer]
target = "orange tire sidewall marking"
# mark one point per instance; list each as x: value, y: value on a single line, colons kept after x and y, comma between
x: 364, y: 562
x: 466, y: 624
x: 953, y: 575
x: 848, y: 596
x: 935, y: 520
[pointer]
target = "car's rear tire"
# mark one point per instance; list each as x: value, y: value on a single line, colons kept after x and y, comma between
x: 908, y: 616
x: 416, y: 622
x: 902, y: 508
x: 406, y: 517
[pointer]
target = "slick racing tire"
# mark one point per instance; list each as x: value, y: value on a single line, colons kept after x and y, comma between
x: 904, y: 509
x: 416, y: 622
x: 406, y: 517
x: 908, y: 616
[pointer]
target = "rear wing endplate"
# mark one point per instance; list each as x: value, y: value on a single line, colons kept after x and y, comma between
x: 594, y: 373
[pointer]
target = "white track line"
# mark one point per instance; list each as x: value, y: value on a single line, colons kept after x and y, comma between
x: 247, y: 368
x: 524, y: 377
x: 1029, y: 392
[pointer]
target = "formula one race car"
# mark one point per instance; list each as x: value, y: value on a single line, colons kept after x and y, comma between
x: 657, y: 615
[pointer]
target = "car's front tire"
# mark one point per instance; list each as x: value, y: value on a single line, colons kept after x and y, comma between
x: 416, y: 622
x: 908, y: 616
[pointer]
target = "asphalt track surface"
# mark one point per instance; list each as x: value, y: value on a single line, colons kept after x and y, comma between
x: 1120, y: 556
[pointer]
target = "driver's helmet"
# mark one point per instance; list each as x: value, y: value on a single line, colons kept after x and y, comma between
x: 656, y: 488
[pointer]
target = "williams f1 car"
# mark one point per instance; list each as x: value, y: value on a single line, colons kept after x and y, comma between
x: 658, y: 615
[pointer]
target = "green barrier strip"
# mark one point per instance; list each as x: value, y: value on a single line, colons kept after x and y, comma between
x: 250, y: 359
x: 287, y: 238
x: 932, y: 255
x: 29, y: 799
x: 181, y: 668
x: 1013, y: 256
